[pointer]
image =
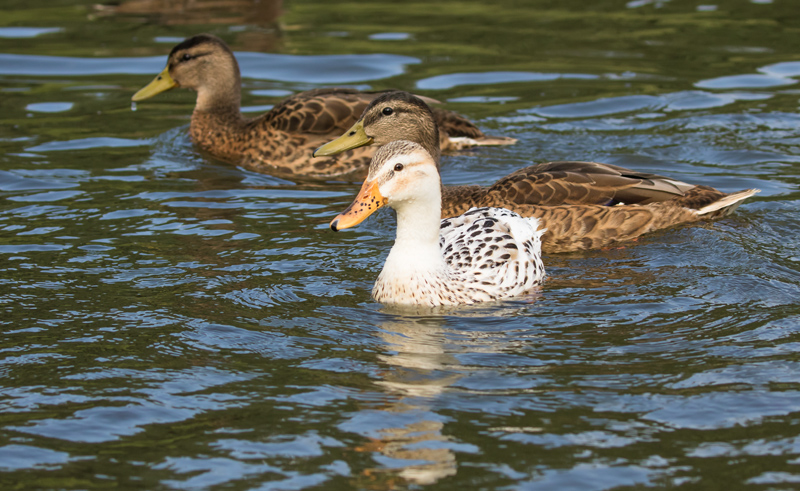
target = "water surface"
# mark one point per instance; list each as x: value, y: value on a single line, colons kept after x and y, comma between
x: 173, y: 322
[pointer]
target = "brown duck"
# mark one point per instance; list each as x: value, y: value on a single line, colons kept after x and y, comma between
x: 282, y: 140
x: 583, y: 205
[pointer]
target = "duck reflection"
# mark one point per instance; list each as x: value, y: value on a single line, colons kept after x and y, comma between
x: 420, y: 365
x: 187, y: 12
x: 412, y: 445
x: 260, y: 13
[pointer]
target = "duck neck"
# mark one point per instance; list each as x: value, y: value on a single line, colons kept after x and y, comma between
x: 428, y: 137
x: 217, y: 116
x: 222, y: 92
x: 416, y: 247
x: 419, y: 223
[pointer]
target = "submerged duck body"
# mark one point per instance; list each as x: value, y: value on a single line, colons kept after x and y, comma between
x: 282, y: 140
x: 583, y: 205
x: 483, y: 255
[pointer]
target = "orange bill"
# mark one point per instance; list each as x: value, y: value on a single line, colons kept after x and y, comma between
x: 368, y: 200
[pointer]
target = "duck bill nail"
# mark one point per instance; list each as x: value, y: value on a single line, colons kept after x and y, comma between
x: 162, y: 83
x: 354, y: 137
x: 368, y: 200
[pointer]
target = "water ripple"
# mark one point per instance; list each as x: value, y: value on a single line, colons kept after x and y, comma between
x: 441, y: 82
x: 328, y: 69
x: 17, y: 457
x: 178, y: 322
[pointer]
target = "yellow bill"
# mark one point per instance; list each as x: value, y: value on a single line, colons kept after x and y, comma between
x: 354, y: 137
x: 368, y: 200
x: 162, y: 83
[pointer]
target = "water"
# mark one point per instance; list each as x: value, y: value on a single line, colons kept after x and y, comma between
x: 172, y: 322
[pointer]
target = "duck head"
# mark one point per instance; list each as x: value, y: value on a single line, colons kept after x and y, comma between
x: 401, y: 174
x: 395, y: 115
x: 202, y: 63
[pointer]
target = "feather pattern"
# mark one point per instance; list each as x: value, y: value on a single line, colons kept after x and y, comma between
x: 281, y: 141
x: 485, y: 254
x: 583, y: 205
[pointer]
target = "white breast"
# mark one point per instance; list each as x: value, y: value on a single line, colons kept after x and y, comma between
x: 489, y: 254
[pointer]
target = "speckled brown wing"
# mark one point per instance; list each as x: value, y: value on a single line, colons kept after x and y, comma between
x: 283, y: 140
x: 456, y: 200
x: 589, y: 226
x: 327, y: 112
x: 699, y: 197
x: 455, y: 125
x: 565, y: 183
x: 581, y: 227
x: 575, y: 182
x: 457, y: 132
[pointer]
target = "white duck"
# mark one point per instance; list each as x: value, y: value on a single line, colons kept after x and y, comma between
x: 485, y: 254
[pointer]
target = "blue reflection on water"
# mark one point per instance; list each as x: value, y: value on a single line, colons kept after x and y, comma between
x: 452, y: 80
x: 26, y: 32
x: 327, y: 69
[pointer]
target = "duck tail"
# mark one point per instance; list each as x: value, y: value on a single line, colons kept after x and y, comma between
x: 727, y: 204
x: 487, y: 140
x: 461, y: 142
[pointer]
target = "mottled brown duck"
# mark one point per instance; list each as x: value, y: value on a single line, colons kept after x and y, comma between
x: 281, y: 141
x: 583, y: 205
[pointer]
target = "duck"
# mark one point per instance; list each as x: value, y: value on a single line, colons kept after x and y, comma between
x: 485, y: 254
x: 281, y: 141
x: 582, y: 205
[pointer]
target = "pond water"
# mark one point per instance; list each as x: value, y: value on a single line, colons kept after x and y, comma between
x: 172, y: 322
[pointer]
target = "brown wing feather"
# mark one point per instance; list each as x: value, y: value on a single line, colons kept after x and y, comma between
x: 581, y: 227
x: 457, y: 132
x: 281, y: 141
x: 327, y: 112
x: 590, y: 226
x: 455, y: 125
x: 574, y: 182
x: 699, y: 196
x: 571, y: 228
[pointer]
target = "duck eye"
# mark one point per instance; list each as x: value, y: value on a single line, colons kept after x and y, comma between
x: 186, y: 57
x: 387, y: 111
x: 398, y: 167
